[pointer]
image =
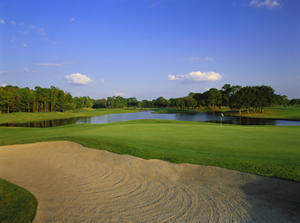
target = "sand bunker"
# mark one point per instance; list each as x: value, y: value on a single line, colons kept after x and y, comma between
x: 77, y: 184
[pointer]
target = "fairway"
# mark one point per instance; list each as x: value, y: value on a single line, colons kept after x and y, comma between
x: 265, y: 150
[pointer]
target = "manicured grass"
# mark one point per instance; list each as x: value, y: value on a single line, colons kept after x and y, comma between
x: 16, y: 203
x: 265, y: 150
x: 21, y: 117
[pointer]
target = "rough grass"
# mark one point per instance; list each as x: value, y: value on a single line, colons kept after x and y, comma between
x: 16, y: 203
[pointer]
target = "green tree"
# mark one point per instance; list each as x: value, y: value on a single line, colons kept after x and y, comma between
x: 147, y: 104
x: 160, y: 102
x: 189, y: 102
x: 7, y: 99
x: 78, y: 103
x: 132, y: 102
x: 180, y: 103
x: 100, y: 103
x: 28, y: 99
x: 247, y: 97
x: 235, y: 101
x: 69, y: 102
x: 214, y: 97
x: 295, y: 101
x: 61, y: 101
x: 111, y: 102
x: 264, y: 97
x: 53, y: 97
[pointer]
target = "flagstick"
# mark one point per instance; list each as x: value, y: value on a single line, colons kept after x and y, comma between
x: 221, y: 120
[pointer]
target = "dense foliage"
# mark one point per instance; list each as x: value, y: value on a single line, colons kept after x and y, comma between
x: 254, y: 98
x: 15, y: 99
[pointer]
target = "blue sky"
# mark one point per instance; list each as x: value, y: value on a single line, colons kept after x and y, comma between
x: 150, y: 48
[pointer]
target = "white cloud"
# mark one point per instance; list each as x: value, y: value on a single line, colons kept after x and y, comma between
x: 198, y: 58
x: 12, y: 22
x: 99, y: 82
x: 195, y: 76
x: 78, y: 79
x: 1, y: 21
x: 72, y: 20
x: 5, y: 72
x: 13, y: 38
x: 25, y: 45
x: 31, y: 27
x: 155, y: 3
x: 25, y: 32
x: 209, y: 59
x: 267, y: 3
x: 41, y: 32
x: 49, y: 64
x: 194, y: 58
x: 3, y: 85
x: 16, y: 72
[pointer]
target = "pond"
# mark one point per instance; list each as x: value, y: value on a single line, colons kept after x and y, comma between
x: 196, y: 117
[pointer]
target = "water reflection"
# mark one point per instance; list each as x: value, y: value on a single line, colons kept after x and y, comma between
x: 43, y: 124
x: 196, y: 117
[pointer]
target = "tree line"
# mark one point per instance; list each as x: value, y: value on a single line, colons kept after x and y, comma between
x: 15, y: 99
x: 254, y: 98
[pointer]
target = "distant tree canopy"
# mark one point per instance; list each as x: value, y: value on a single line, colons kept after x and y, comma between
x: 15, y: 99
x: 255, y: 98
x: 186, y: 102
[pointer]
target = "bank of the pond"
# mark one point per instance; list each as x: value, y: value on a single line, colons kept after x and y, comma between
x: 275, y: 113
x: 279, y: 113
x: 23, y: 117
x: 271, y: 116
x: 210, y: 117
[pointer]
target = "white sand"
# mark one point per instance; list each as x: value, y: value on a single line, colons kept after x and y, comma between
x: 77, y: 184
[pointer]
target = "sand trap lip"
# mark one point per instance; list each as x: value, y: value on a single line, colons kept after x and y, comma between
x: 77, y: 184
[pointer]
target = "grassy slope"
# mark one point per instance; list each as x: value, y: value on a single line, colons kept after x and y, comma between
x: 16, y: 203
x: 265, y: 150
x: 20, y: 117
x: 290, y: 112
